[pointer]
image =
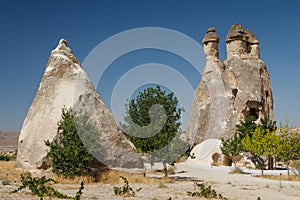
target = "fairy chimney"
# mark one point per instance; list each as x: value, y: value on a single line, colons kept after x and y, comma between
x: 231, y: 91
x: 210, y: 43
x: 65, y: 84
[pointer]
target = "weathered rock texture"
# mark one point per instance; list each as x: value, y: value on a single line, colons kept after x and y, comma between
x: 64, y: 83
x: 230, y: 92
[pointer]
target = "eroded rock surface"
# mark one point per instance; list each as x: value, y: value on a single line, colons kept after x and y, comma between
x: 229, y: 92
x: 65, y: 84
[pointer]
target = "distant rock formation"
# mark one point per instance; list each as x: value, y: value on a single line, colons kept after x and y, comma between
x: 229, y: 92
x: 64, y: 83
x: 8, y: 141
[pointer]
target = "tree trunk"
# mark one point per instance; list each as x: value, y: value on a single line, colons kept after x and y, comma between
x: 288, y: 167
x: 165, y: 168
x: 270, y: 163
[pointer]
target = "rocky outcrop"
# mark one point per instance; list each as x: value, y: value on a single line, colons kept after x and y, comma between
x: 229, y: 92
x: 65, y: 84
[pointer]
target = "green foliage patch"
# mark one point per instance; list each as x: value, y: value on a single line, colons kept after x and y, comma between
x: 39, y: 187
x: 68, y: 154
x: 4, y: 157
x: 137, y: 113
x: 206, y: 191
x: 125, y: 190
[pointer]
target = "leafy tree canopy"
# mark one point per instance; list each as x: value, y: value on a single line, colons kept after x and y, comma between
x: 146, y: 125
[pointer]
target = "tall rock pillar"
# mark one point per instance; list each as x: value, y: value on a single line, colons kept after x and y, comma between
x: 230, y: 92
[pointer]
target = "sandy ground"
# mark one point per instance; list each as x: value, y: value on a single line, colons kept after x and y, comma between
x: 233, y: 186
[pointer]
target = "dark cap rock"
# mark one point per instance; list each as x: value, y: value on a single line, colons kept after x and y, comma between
x: 251, y: 37
x: 210, y: 36
x: 236, y: 32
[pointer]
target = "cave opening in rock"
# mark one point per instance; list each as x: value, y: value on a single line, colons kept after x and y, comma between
x: 267, y: 94
x: 254, y: 113
x: 234, y: 92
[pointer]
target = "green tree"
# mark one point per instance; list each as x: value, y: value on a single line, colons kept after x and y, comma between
x: 262, y: 143
x: 171, y: 152
x: 289, y: 148
x: 68, y: 154
x: 247, y: 127
x: 232, y: 147
x: 141, y: 120
x: 267, y: 124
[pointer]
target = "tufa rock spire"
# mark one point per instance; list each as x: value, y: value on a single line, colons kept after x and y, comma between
x: 65, y: 84
x: 210, y: 44
x: 241, y: 43
x: 252, y: 45
x: 230, y: 92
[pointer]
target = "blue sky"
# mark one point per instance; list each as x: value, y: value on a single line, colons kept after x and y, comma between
x: 29, y: 30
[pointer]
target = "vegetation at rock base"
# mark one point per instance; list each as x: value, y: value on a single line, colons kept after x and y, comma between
x: 233, y: 146
x: 206, y: 191
x: 4, y: 157
x: 40, y: 187
x: 125, y: 190
x: 263, y: 142
x: 68, y: 154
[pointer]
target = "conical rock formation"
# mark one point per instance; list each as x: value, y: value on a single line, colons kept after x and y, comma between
x: 65, y: 84
x: 230, y: 92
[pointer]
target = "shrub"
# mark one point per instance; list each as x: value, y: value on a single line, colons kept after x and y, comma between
x: 68, y: 154
x: 5, y: 182
x: 206, y: 191
x: 5, y: 157
x: 39, y: 188
x: 125, y: 190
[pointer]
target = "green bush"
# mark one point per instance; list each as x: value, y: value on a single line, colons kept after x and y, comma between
x: 38, y: 186
x: 68, y: 154
x: 5, y: 182
x: 125, y: 190
x: 206, y: 191
x: 5, y: 158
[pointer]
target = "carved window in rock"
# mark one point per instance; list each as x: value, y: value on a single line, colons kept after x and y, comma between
x: 267, y: 94
x: 234, y: 92
x: 254, y: 113
x: 253, y: 109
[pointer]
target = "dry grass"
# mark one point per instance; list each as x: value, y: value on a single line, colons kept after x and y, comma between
x: 283, y: 177
x: 162, y: 185
x: 75, y: 180
x: 8, y: 171
x: 112, y: 176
